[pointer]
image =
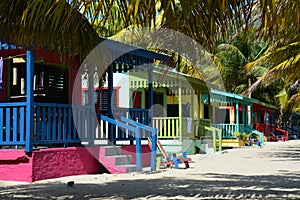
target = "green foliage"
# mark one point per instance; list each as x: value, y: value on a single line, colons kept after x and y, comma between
x: 242, y: 136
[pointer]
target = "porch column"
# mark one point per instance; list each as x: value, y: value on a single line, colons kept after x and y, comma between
x: 180, y: 109
x: 90, y: 124
x: 246, y: 116
x: 150, y: 91
x: 197, y: 131
x: 91, y: 87
x: 110, y: 85
x: 192, y: 102
x: 201, y: 107
x: 243, y: 114
x: 29, y: 101
x: 249, y: 115
x: 237, y: 116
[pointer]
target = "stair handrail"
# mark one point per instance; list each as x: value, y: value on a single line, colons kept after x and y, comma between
x: 261, y: 136
x: 215, y: 130
x: 285, y: 132
x: 136, y: 131
x: 153, y: 138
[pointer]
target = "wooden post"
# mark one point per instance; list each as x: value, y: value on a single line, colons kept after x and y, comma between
x: 180, y: 109
x: 198, y: 115
x: 150, y: 91
x: 138, y: 150
x: 237, y: 116
x: 90, y: 122
x: 153, y: 150
x: 110, y: 84
x: 29, y: 101
x: 201, y: 107
x: 244, y: 113
x: 192, y: 102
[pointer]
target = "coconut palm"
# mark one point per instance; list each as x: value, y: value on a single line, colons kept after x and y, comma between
x: 68, y: 24
x: 283, y: 65
x: 74, y: 26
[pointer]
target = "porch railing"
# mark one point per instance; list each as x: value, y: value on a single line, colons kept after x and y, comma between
x: 136, y: 114
x: 62, y: 124
x: 227, y: 129
x: 12, y: 123
x: 267, y: 129
x: 57, y: 124
x: 168, y: 127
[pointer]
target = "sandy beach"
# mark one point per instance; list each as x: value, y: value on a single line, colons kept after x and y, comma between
x: 269, y: 172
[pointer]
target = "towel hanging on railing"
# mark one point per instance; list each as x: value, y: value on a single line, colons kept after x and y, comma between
x: 1, y: 70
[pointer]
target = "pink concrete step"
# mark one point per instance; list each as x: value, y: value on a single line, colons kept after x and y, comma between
x: 110, y: 157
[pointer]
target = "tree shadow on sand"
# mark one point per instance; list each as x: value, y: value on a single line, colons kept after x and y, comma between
x: 208, y: 186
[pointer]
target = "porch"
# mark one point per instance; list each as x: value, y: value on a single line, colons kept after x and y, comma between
x: 232, y: 114
x: 29, y: 124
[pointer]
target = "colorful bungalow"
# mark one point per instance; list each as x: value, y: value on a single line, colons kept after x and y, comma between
x: 42, y: 133
x: 264, y: 119
x: 184, y: 109
x: 180, y: 105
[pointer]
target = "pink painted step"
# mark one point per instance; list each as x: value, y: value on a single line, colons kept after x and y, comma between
x: 110, y: 157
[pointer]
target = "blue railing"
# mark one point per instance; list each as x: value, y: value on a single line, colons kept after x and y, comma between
x: 227, y: 129
x: 53, y: 124
x: 12, y: 123
x: 136, y: 114
x: 62, y: 124
x: 136, y: 129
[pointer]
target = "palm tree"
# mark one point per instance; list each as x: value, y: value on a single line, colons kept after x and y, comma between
x: 281, y: 62
x: 69, y: 24
x: 74, y: 26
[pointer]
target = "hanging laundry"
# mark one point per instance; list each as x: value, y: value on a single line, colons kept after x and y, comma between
x: 1, y: 70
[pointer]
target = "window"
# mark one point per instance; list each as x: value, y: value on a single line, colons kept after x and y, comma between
x: 50, y: 83
x: 103, y: 99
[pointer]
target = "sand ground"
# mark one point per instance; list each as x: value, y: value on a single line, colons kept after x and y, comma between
x: 270, y: 172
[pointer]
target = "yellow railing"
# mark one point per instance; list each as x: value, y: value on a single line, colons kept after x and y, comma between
x: 168, y: 127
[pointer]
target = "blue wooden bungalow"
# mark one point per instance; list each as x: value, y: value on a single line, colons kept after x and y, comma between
x: 36, y: 113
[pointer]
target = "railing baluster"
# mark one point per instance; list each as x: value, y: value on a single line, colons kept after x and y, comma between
x: 22, y: 124
x: 65, y: 125
x: 15, y: 124
x: 106, y: 130
x: 70, y: 124
x: 44, y: 125
x: 8, y: 124
x: 1, y: 125
x: 161, y: 128
x: 38, y: 123
x: 76, y: 128
x: 49, y: 124
x: 59, y: 125
x: 92, y: 127
x: 54, y: 123
x: 169, y: 127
